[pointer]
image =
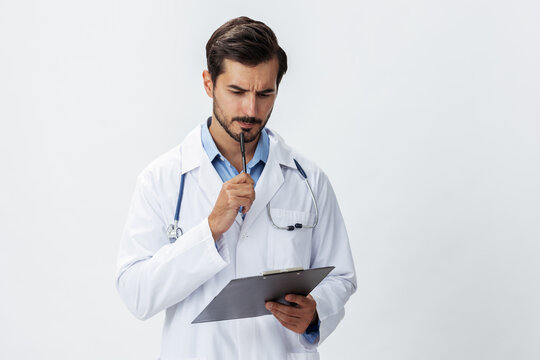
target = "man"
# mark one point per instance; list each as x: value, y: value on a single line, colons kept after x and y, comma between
x: 230, y: 219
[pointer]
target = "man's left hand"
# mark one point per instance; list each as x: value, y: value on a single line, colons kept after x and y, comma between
x: 295, y: 318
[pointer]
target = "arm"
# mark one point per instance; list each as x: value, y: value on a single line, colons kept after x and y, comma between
x: 330, y: 246
x: 319, y: 313
x: 152, y: 273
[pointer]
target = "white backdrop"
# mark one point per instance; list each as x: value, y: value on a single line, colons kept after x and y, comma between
x: 424, y: 114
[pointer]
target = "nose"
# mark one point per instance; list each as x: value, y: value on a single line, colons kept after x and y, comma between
x: 250, y: 105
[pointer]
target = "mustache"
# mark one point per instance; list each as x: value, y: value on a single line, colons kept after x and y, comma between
x: 248, y: 120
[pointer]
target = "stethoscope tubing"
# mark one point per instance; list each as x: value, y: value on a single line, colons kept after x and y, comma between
x: 179, y: 202
x: 173, y: 229
x: 298, y: 225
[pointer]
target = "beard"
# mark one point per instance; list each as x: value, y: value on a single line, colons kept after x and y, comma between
x: 227, y: 124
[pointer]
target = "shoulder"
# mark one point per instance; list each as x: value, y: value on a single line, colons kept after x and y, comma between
x: 169, y: 164
x: 161, y: 168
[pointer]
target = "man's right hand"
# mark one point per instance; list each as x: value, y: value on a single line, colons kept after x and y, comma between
x: 239, y: 191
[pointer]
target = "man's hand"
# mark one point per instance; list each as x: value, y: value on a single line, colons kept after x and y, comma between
x: 295, y: 318
x: 239, y: 191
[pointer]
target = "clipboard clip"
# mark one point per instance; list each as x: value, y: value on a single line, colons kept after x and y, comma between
x: 272, y: 272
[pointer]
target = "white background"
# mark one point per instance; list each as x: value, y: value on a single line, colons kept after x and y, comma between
x: 424, y: 114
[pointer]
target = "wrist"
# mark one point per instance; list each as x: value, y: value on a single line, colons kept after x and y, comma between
x: 315, y: 319
x: 215, y: 233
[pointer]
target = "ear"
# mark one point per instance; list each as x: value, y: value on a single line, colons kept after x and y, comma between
x: 208, y: 84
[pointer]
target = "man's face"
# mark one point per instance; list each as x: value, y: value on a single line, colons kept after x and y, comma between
x: 243, y: 97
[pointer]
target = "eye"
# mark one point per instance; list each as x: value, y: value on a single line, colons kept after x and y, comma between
x: 237, y: 92
x: 263, y: 95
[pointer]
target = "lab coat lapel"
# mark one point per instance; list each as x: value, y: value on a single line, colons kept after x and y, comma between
x: 194, y: 155
x: 269, y: 183
x: 208, y: 180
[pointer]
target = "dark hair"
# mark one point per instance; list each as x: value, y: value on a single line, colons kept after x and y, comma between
x: 246, y: 41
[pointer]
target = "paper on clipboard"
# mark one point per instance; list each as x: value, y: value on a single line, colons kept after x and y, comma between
x: 246, y: 297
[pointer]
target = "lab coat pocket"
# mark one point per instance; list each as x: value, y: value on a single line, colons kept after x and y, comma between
x: 303, y: 356
x: 290, y: 248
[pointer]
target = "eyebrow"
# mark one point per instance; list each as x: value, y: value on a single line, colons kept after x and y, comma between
x: 238, y: 88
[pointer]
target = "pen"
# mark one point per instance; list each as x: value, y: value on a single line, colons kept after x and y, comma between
x: 243, y: 151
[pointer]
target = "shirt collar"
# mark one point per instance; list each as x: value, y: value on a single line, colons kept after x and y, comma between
x: 261, y: 151
x: 208, y: 143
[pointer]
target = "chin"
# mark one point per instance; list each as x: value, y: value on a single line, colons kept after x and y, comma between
x: 251, y: 135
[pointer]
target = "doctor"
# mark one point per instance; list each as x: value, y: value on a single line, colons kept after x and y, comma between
x: 234, y: 223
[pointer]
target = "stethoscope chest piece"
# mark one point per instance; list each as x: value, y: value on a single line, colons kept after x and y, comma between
x: 174, y: 232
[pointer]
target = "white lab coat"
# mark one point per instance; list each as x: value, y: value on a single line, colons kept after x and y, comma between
x: 183, y: 277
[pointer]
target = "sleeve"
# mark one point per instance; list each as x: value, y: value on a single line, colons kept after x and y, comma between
x: 154, y: 274
x: 330, y: 247
x: 312, y: 333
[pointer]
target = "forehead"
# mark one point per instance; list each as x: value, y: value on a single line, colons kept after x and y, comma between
x: 246, y: 76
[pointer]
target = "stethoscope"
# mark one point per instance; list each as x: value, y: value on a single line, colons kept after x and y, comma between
x: 174, y: 231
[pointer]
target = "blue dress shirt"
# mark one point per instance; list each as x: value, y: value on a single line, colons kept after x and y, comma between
x: 254, y: 168
x: 224, y: 168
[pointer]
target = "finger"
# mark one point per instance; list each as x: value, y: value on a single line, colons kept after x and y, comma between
x: 246, y: 208
x: 298, y: 299
x: 237, y: 201
x: 244, y: 193
x: 242, y: 178
x: 293, y: 326
x: 290, y: 320
x: 247, y: 178
x: 237, y: 186
x: 243, y: 186
x: 228, y: 186
x: 276, y: 307
x: 238, y: 197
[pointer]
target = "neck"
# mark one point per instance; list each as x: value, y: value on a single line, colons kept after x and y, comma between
x: 230, y: 148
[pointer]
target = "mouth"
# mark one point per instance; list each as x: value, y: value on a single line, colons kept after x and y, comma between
x: 246, y: 126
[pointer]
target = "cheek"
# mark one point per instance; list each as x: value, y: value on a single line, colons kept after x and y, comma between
x: 266, y: 106
x: 230, y: 106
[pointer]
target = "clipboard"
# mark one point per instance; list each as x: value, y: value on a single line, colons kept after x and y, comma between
x: 246, y: 297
